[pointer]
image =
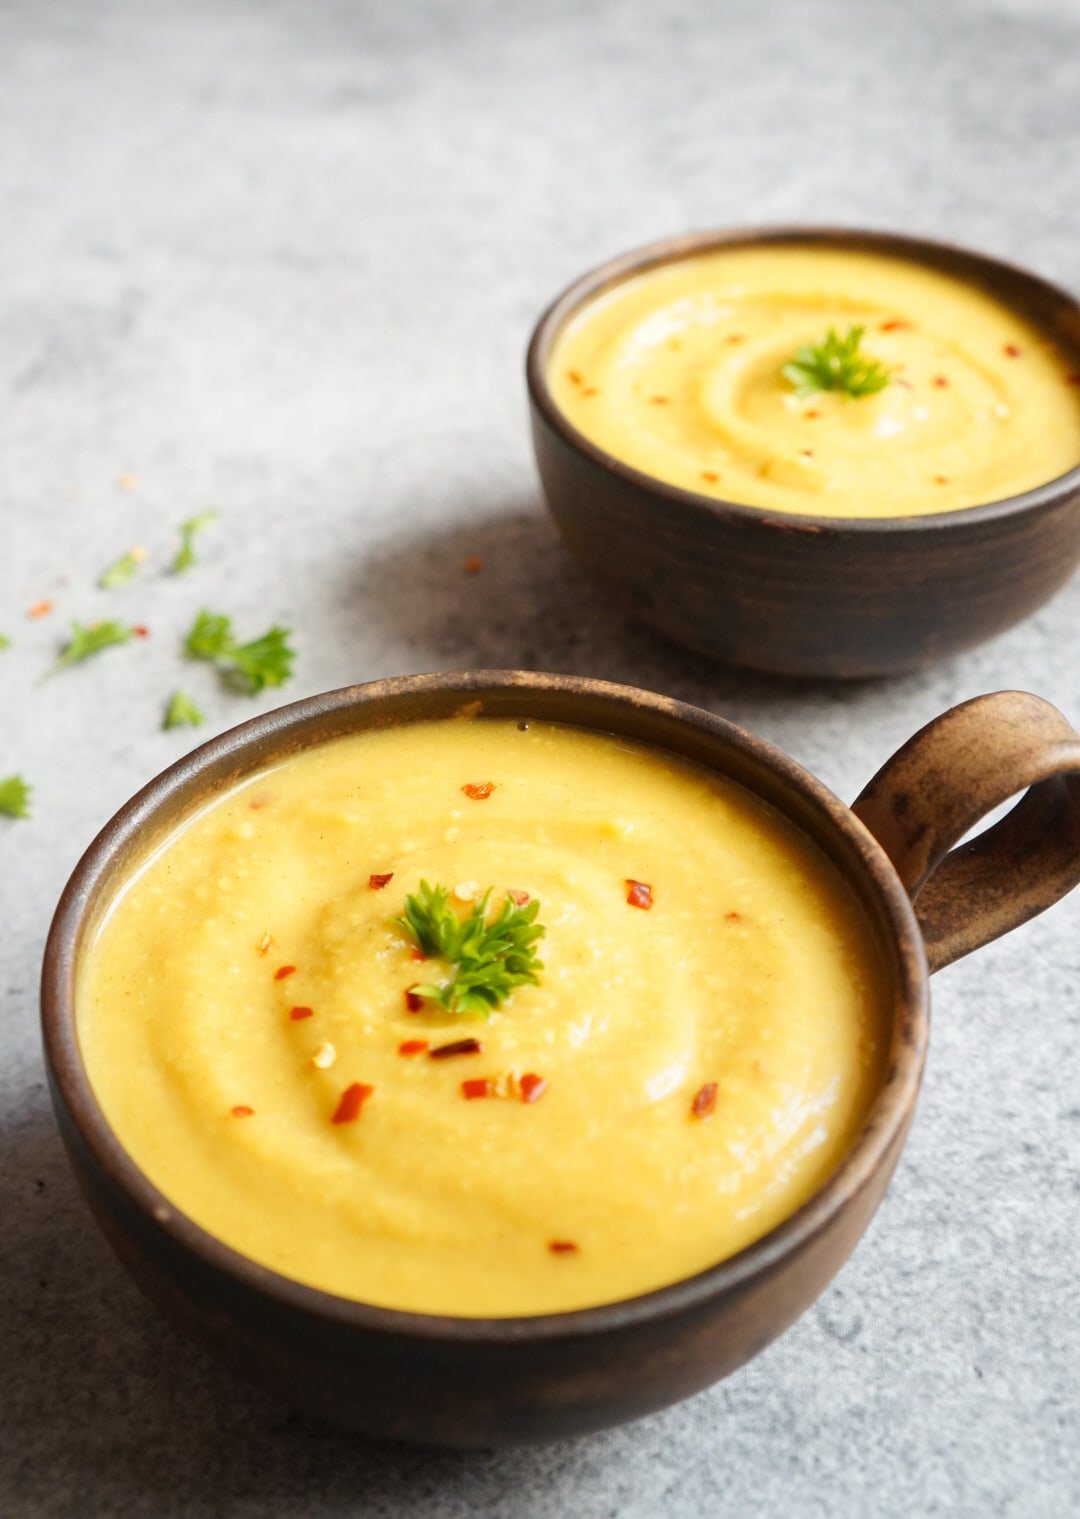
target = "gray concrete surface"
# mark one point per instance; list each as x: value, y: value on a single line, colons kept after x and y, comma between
x: 282, y: 258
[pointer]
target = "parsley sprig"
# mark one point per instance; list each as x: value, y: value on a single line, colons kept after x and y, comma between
x: 14, y: 797
x: 837, y: 364
x: 489, y: 958
x: 265, y: 661
x: 185, y: 554
x: 88, y: 639
x: 181, y: 712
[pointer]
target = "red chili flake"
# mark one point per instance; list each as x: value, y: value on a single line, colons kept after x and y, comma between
x: 458, y: 1047
x: 562, y: 1246
x: 735, y: 337
x: 40, y: 608
x: 352, y: 1100
x: 704, y: 1103
x: 807, y: 453
x: 413, y: 1000
x: 573, y: 376
x: 811, y: 416
x: 473, y: 565
x: 127, y: 482
x: 941, y: 479
x: 416, y: 953
x: 733, y: 916
x: 638, y: 894
x: 940, y: 381
x: 590, y: 390
x: 710, y: 475
x: 479, y: 791
x: 241, y: 1110
x: 532, y: 1087
x: 894, y: 325
x: 260, y: 801
x: 378, y: 882
x: 519, y: 898
x: 140, y: 630
x: 1012, y: 350
x: 297, y: 1013
x: 412, y: 1047
x: 283, y: 971
x: 481, y: 1087
x: 660, y: 400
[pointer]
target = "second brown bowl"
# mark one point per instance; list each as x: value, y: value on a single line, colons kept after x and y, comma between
x: 805, y: 595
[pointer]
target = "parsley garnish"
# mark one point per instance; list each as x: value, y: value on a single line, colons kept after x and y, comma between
x: 14, y: 797
x: 124, y: 569
x: 489, y: 958
x: 181, y: 712
x: 836, y: 364
x: 5, y: 641
x: 185, y: 554
x: 85, y: 641
x: 265, y: 661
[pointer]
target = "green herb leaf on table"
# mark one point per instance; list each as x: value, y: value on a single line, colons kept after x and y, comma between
x: 14, y: 797
x: 5, y: 641
x: 182, y: 712
x: 185, y: 554
x: 250, y: 667
x: 489, y: 958
x: 837, y: 364
x: 122, y: 570
x: 88, y: 640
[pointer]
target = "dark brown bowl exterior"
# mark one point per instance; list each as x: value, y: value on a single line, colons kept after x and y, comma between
x: 805, y: 595
x: 481, y: 1382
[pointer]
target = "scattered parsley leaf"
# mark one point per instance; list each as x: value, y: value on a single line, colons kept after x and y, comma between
x: 182, y: 712
x: 14, y: 797
x: 250, y: 667
x: 5, y: 641
x: 124, y: 569
x: 85, y: 641
x: 836, y: 364
x: 489, y: 958
x: 185, y: 554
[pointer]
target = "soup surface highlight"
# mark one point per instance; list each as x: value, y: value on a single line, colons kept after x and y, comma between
x: 680, y: 372
x: 705, y: 1037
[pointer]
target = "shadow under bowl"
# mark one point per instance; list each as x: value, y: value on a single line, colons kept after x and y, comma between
x: 806, y: 595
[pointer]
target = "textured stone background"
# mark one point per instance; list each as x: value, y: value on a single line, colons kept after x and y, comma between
x: 282, y: 258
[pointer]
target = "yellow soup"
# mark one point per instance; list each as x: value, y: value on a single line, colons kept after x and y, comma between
x: 680, y: 373
x: 698, y: 1054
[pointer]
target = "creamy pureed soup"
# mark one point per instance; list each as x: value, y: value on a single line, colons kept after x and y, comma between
x: 684, y: 373
x: 696, y: 1056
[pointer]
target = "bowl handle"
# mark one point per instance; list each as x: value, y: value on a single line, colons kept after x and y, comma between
x: 949, y: 776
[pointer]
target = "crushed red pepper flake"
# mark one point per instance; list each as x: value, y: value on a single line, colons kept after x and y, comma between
x: 352, y: 1100
x: 241, y: 1110
x: 478, y: 791
x: 377, y: 882
x: 412, y: 1046
x: 660, y: 400
x: 260, y: 801
x: 573, y: 376
x: 807, y: 453
x: 473, y: 565
x: 413, y: 1000
x: 811, y: 416
x: 638, y: 894
x: 704, y: 1103
x: 562, y: 1246
x: 1012, y: 350
x: 941, y: 479
x: 733, y: 916
x: 894, y: 324
x: 940, y: 381
x: 127, y: 481
x: 140, y: 630
x: 590, y: 390
x: 456, y: 1047
x: 480, y: 1086
x: 735, y: 337
x: 532, y: 1087
x: 284, y: 971
x: 416, y: 953
x: 298, y: 1013
x: 710, y: 475
x: 519, y: 898
x: 41, y: 608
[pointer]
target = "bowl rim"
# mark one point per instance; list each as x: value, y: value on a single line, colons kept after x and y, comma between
x: 884, y: 1126
x: 914, y: 248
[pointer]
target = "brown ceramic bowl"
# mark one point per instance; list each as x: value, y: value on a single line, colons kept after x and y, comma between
x: 805, y: 595
x: 463, y: 1381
